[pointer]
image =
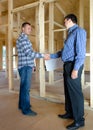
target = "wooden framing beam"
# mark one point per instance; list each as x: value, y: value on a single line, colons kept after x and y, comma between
x: 18, y: 32
x: 6, y: 44
x: 48, y: 1
x: 10, y: 44
x: 51, y: 37
x: 81, y: 23
x: 18, y: 22
x: 1, y: 56
x: 58, y: 30
x: 81, y: 13
x: 42, y: 48
x: 30, y: 5
x: 21, y: 8
x: 91, y: 53
x: 0, y: 15
x: 37, y: 40
x: 37, y: 28
x: 46, y: 21
x: 59, y: 25
x: 60, y: 9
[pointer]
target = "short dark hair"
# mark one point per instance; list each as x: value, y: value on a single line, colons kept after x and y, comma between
x: 25, y: 23
x: 72, y: 17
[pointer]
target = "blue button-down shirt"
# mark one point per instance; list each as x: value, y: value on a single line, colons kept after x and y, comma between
x: 26, y: 54
x: 74, y: 47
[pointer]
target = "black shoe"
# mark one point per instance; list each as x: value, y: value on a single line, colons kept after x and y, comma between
x: 30, y: 113
x: 75, y: 126
x: 65, y: 116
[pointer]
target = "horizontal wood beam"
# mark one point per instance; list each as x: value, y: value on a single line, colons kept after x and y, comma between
x: 47, y: 21
x: 48, y: 1
x: 25, y: 7
x: 59, y: 25
x: 60, y: 9
x: 58, y: 30
x: 30, y: 5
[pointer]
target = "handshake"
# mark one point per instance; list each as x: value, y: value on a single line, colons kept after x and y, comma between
x: 46, y: 56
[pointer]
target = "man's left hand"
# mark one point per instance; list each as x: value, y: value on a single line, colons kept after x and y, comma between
x: 74, y: 74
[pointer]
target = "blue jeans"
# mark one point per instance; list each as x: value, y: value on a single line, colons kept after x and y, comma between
x: 25, y: 84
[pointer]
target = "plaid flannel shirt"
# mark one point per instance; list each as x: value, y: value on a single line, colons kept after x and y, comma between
x: 26, y: 54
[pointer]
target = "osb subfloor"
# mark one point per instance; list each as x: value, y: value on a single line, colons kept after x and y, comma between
x: 12, y: 119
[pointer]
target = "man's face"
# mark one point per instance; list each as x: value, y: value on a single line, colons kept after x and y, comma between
x: 27, y: 29
x: 67, y: 23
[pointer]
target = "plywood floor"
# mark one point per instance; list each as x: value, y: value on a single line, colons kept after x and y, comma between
x: 12, y: 119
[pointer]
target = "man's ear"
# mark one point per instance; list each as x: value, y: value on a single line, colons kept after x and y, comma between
x: 23, y: 29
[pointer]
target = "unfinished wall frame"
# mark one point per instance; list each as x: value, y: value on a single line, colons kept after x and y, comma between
x: 40, y: 4
x: 41, y: 38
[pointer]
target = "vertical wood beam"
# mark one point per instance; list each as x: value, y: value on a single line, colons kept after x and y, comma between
x: 42, y: 47
x: 6, y: 44
x: 81, y: 13
x: 91, y: 53
x: 0, y: 42
x: 18, y: 32
x: 1, y: 55
x: 81, y: 23
x: 18, y: 23
x: 10, y: 44
x: 51, y: 36
x: 37, y: 39
x: 37, y: 27
x: 0, y: 15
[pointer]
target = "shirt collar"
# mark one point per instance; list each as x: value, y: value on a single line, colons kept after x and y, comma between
x: 24, y: 35
x: 72, y: 28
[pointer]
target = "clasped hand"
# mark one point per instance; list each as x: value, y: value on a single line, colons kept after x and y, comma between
x: 47, y: 57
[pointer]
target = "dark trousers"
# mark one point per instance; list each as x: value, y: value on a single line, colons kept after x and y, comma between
x: 74, y: 100
x: 25, y: 84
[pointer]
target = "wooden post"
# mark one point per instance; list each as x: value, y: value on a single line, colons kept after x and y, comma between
x: 81, y: 23
x: 0, y: 43
x: 81, y: 13
x: 37, y: 28
x: 18, y: 32
x: 6, y: 44
x: 60, y: 9
x: 1, y: 55
x: 0, y: 15
x: 42, y: 47
x: 10, y: 44
x: 91, y: 53
x: 51, y: 37
x: 37, y: 39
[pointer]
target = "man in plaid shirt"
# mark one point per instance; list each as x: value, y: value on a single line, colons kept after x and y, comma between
x: 26, y: 56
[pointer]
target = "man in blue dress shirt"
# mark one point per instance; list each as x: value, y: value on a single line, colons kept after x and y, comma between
x: 73, y: 56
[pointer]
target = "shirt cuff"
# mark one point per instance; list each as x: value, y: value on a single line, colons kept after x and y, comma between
x: 42, y: 55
